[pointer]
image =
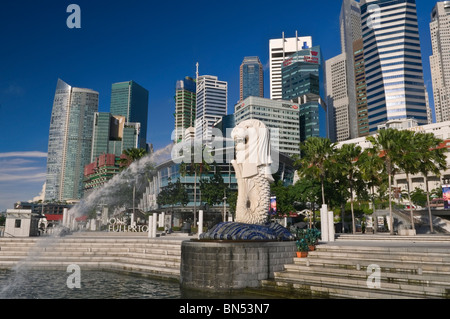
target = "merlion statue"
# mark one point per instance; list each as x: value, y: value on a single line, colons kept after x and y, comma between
x: 253, y: 174
x: 252, y: 169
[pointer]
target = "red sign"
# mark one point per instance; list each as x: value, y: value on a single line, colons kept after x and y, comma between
x: 310, y: 59
x: 314, y: 53
x: 294, y: 107
x: 287, y: 62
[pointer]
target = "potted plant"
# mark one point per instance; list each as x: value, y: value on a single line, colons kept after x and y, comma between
x: 312, y: 237
x: 302, y: 248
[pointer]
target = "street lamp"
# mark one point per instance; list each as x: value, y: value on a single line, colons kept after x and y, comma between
x: 224, y: 205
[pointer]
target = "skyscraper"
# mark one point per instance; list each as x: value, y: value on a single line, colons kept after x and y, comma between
x: 340, y: 74
x: 211, y: 100
x: 112, y: 135
x: 337, y: 96
x: 302, y: 82
x: 185, y: 98
x: 251, y: 78
x: 440, y: 60
x: 130, y: 100
x: 281, y: 117
x: 279, y: 50
x: 393, y: 62
x: 361, y: 88
x: 70, y: 141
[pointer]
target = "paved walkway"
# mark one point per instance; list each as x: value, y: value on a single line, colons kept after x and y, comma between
x: 385, y: 240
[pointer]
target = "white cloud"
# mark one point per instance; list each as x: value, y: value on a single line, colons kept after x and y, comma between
x: 35, y: 177
x: 41, y: 195
x: 24, y: 154
x: 21, y: 176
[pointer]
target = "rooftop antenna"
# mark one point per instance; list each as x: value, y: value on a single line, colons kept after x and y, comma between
x: 283, y: 46
x: 196, y: 72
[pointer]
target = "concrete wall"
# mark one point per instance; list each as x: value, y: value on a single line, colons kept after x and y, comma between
x: 224, y: 266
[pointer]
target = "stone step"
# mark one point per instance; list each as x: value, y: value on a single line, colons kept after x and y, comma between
x: 361, y: 283
x: 142, y: 258
x: 385, y: 265
x: 382, y: 255
x: 410, y: 278
x: 163, y: 272
x: 380, y: 247
x: 293, y: 289
x: 387, y: 237
x: 153, y: 257
x: 62, y: 249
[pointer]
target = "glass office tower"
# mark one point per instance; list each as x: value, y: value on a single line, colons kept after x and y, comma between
x: 185, y: 96
x: 302, y: 82
x: 251, y: 78
x: 70, y: 141
x: 130, y: 100
x: 112, y: 135
x: 393, y: 62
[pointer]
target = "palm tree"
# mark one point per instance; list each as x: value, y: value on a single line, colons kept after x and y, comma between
x: 386, y: 144
x: 431, y: 159
x: 346, y: 160
x: 315, y: 155
x: 130, y: 155
x: 371, y: 168
x: 408, y: 161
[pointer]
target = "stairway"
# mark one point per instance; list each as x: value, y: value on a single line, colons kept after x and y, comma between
x: 341, y: 271
x: 155, y: 257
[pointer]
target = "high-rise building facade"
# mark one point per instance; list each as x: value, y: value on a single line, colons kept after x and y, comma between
x: 211, y: 104
x: 337, y: 96
x: 440, y: 60
x: 185, y: 101
x: 340, y: 73
x: 130, y: 100
x: 279, y: 51
x: 100, y: 171
x: 70, y: 141
x: 251, y: 78
x: 112, y: 134
x: 361, y: 88
x: 282, y: 117
x: 302, y: 83
x: 393, y: 62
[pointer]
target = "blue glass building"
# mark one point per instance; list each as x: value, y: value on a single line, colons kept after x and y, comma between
x: 393, y: 62
x: 69, y: 141
x: 302, y: 82
x: 130, y: 100
x: 251, y: 78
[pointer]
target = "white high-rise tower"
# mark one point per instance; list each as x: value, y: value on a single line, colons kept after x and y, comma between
x: 69, y: 141
x: 211, y: 103
x: 440, y: 60
x: 279, y: 50
x: 393, y: 62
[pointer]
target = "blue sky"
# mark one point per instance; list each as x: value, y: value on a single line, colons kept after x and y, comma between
x: 153, y: 43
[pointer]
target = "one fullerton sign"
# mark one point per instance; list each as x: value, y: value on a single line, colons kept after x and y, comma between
x: 120, y: 225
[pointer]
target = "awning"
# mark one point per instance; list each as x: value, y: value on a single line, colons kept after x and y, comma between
x: 53, y: 217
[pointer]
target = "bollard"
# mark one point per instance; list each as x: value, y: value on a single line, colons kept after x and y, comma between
x: 324, y: 222
x: 150, y: 223
x: 155, y: 222
x: 64, y: 223
x: 330, y: 226
x: 200, y: 222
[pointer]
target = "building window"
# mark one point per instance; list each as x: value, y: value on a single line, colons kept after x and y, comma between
x: 18, y: 223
